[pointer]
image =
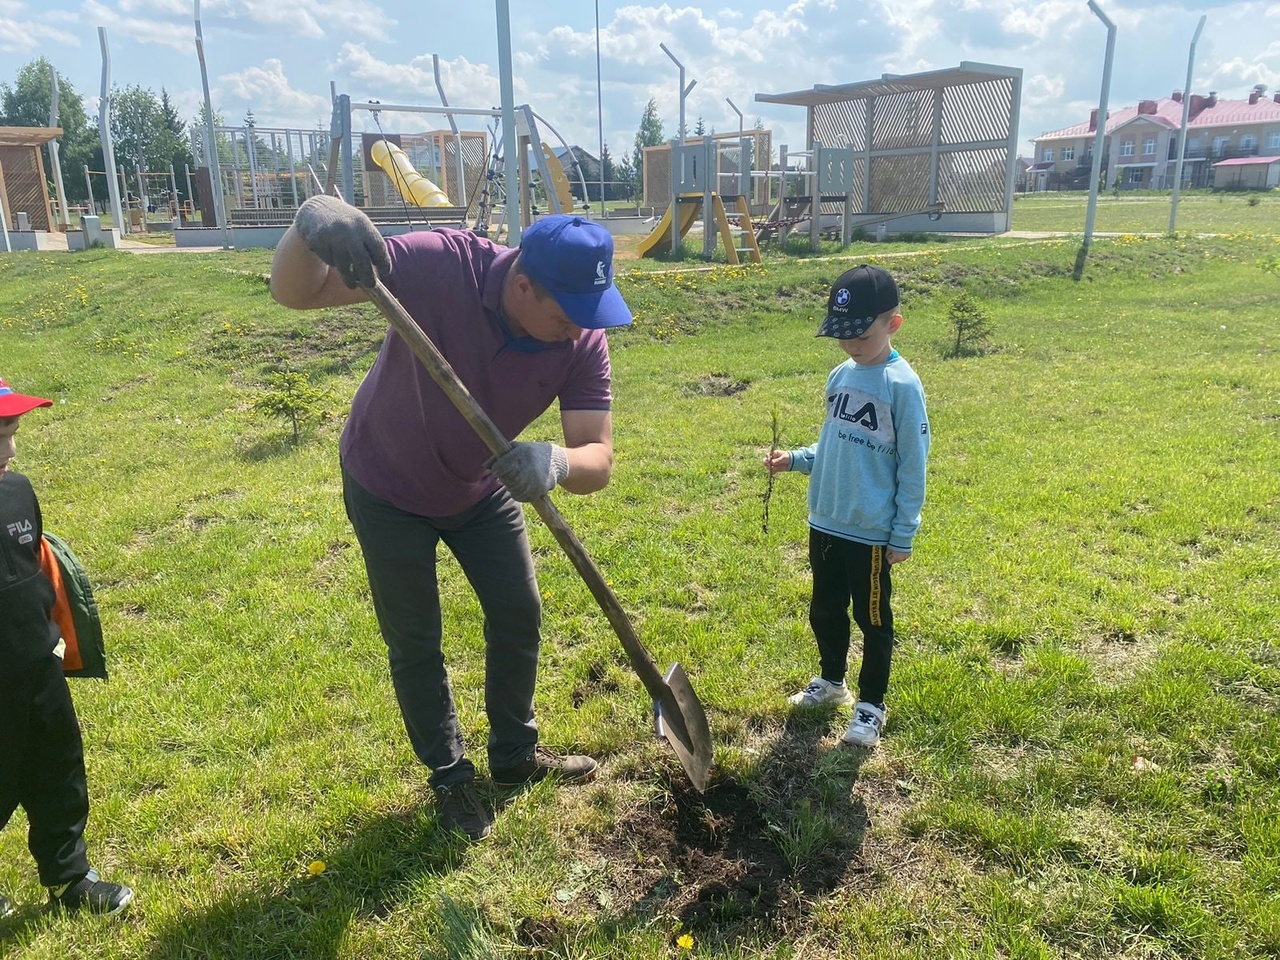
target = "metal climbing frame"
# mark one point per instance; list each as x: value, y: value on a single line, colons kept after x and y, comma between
x: 943, y: 137
x: 262, y: 168
x: 473, y: 162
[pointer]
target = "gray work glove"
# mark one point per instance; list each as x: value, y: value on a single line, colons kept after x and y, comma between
x: 528, y: 470
x: 344, y: 238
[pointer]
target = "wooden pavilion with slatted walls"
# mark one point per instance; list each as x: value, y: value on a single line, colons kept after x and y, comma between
x: 24, y: 184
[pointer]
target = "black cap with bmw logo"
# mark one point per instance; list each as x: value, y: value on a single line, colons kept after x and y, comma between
x: 857, y: 298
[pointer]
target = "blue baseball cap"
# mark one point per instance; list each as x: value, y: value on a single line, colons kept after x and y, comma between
x: 572, y: 259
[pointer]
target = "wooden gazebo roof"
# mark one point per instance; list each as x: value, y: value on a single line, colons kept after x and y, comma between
x: 28, y: 136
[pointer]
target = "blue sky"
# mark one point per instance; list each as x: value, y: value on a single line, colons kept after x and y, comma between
x: 277, y: 58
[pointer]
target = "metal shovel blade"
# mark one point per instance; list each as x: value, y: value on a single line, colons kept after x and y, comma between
x: 684, y: 722
x: 679, y: 719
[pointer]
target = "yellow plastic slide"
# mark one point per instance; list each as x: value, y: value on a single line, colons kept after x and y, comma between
x: 559, y: 181
x: 413, y: 186
x: 651, y: 245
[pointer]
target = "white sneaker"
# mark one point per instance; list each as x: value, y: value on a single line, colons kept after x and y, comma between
x: 866, y: 726
x: 821, y: 693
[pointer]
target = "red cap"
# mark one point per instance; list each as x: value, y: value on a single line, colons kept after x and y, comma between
x: 13, y: 404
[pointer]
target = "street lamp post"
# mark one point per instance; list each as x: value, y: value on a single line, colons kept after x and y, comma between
x: 1182, y: 135
x: 677, y: 157
x: 104, y: 133
x: 743, y: 186
x: 510, y: 148
x: 211, y: 141
x: 1100, y: 137
x: 599, y: 109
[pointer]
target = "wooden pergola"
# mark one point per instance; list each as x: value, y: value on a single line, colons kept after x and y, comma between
x: 23, y: 182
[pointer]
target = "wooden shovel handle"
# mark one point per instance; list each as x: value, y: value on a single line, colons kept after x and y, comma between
x: 447, y: 379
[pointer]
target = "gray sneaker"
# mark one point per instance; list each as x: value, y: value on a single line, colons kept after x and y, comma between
x: 92, y: 894
x: 822, y: 693
x: 462, y: 809
x: 867, y: 725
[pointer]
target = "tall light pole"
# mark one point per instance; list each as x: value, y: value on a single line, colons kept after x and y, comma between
x: 210, y: 140
x: 677, y: 157
x: 743, y: 186
x: 53, y: 151
x: 684, y: 91
x: 1100, y: 137
x: 600, y: 108
x: 104, y: 132
x: 1182, y: 135
x: 510, y: 147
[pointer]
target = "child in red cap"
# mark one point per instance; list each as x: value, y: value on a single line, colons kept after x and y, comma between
x: 41, y: 753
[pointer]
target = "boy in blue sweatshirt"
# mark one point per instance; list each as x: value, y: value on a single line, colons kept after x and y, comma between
x: 866, y: 489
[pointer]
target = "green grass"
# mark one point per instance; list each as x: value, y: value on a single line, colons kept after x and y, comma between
x: 1142, y: 211
x: 1083, y: 756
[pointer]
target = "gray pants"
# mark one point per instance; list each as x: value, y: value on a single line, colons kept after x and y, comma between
x: 492, y: 547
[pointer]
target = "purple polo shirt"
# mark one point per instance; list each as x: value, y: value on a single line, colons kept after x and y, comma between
x: 404, y: 440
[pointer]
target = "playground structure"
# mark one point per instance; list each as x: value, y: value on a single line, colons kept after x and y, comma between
x: 157, y: 203
x: 460, y: 161
x: 696, y: 188
x: 402, y: 181
x: 932, y: 151
x: 731, y: 159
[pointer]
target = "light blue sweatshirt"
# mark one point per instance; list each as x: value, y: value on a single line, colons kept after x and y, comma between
x: 866, y: 472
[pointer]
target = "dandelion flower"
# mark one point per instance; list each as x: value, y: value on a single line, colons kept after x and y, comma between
x: 316, y: 868
x: 685, y: 941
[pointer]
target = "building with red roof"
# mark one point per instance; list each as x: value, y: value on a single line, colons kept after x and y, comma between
x: 1141, y: 142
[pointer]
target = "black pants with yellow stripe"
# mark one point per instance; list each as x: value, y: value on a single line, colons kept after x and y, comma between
x: 847, y: 573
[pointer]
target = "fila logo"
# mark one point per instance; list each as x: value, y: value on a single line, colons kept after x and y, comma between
x: 865, y: 415
x: 22, y: 531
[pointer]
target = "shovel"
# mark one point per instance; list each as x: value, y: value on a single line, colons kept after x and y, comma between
x: 678, y: 714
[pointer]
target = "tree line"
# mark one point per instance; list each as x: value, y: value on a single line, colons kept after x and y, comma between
x: 146, y: 130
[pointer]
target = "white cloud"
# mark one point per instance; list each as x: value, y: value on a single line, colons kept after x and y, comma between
x: 312, y: 19
x: 267, y: 91
x: 176, y: 36
x: 1043, y: 20
x: 23, y: 32
x: 465, y: 84
x: 1238, y: 72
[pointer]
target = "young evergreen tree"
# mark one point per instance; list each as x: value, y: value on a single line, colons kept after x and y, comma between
x: 607, y: 171
x: 649, y: 135
x: 970, y: 324
x: 626, y: 177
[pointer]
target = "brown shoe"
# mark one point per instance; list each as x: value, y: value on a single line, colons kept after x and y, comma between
x: 543, y: 763
x: 462, y: 809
